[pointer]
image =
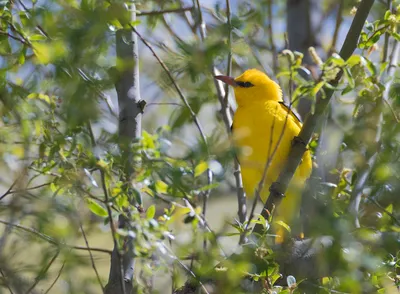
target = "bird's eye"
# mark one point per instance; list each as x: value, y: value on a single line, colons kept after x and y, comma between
x: 244, y: 84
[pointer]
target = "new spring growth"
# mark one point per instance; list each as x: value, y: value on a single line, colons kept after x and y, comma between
x: 315, y: 57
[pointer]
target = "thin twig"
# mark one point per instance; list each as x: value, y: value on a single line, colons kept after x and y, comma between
x: 15, y: 38
x: 200, y: 218
x: 324, y: 17
x: 189, y: 21
x: 165, y: 11
x: 229, y: 61
x: 209, y: 173
x: 271, y: 37
x: 8, y: 192
x: 91, y: 256
x: 387, y: 35
x: 42, y: 273
x: 339, y: 19
x: 188, y: 107
x: 176, y: 86
x: 5, y: 282
x: 186, y: 268
x: 164, y: 103
x: 56, y: 279
x: 51, y: 240
x: 391, y: 215
x: 170, y: 30
x: 203, y: 32
x: 11, y: 187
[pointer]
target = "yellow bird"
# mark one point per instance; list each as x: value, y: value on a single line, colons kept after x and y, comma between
x: 258, y: 123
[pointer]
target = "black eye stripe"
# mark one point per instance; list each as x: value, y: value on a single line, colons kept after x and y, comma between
x: 244, y: 84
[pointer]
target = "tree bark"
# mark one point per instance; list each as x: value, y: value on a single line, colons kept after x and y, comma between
x: 127, y: 87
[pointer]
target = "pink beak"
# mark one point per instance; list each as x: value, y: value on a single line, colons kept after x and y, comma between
x: 227, y: 80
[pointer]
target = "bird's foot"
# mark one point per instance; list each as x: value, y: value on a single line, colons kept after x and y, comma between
x: 298, y: 140
x: 275, y: 188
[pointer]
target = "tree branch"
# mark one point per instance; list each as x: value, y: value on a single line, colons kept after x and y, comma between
x: 91, y: 256
x: 51, y: 240
x: 165, y: 11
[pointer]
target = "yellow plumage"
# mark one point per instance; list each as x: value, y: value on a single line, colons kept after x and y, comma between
x: 257, y: 126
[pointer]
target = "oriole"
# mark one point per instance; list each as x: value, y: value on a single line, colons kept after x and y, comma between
x: 258, y: 123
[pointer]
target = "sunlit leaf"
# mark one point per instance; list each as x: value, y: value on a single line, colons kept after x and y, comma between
x: 49, y: 52
x: 161, y: 187
x: 200, y: 168
x: 96, y: 208
x: 151, y: 211
x: 284, y: 225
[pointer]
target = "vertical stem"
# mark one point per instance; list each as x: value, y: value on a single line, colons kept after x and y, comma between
x: 229, y: 65
x: 339, y: 19
x: 127, y: 86
x: 386, y: 43
x: 271, y: 38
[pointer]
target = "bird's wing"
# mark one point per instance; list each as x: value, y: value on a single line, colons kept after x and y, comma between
x: 295, y: 116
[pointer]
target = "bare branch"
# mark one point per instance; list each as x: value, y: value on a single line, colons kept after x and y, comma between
x: 229, y: 61
x: 43, y: 273
x: 339, y: 20
x: 189, y: 108
x: 6, y: 283
x: 10, y: 191
x: 91, y: 256
x: 165, y: 11
x: 51, y: 240
x: 387, y: 35
x: 56, y: 279
x: 15, y: 38
x: 271, y: 37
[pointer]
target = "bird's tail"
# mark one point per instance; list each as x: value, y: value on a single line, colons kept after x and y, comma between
x: 287, y: 221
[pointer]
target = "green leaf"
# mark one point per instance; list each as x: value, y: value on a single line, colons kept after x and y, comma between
x: 37, y: 37
x: 5, y: 47
x: 317, y: 88
x: 161, y: 187
x: 208, y: 187
x: 394, y: 93
x: 388, y: 13
x: 200, y: 168
x: 371, y: 66
x: 96, y: 208
x: 396, y: 36
x: 353, y: 60
x: 151, y: 211
x: 347, y: 89
x: 49, y: 52
x: 283, y: 224
x: 349, y: 77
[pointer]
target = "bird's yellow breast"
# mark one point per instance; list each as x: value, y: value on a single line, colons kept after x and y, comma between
x: 261, y: 130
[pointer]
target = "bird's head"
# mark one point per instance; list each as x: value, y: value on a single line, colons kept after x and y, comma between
x: 252, y: 86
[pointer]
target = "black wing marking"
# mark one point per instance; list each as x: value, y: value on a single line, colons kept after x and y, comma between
x: 292, y: 111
